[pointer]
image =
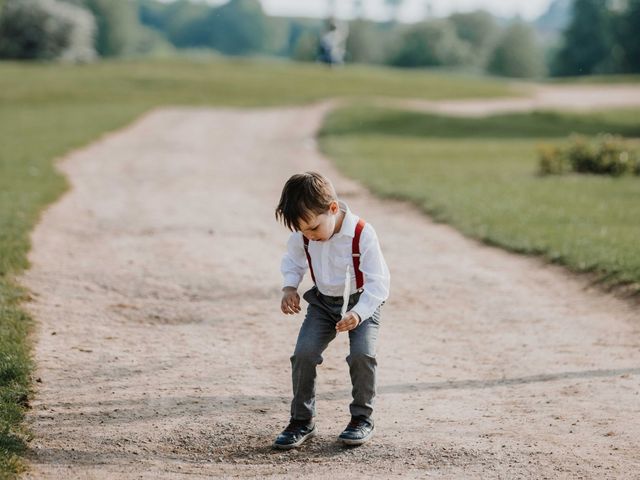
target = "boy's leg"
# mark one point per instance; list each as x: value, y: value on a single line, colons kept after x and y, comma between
x: 362, y: 365
x: 317, y: 330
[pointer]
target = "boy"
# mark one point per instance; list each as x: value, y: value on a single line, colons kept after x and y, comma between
x: 332, y: 243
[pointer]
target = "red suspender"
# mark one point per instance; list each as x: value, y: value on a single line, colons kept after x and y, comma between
x: 306, y: 250
x: 355, y: 249
x: 355, y: 253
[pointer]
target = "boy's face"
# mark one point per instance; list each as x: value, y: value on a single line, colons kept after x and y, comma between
x: 320, y: 228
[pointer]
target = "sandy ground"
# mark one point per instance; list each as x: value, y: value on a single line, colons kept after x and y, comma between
x: 162, y: 353
x: 550, y: 97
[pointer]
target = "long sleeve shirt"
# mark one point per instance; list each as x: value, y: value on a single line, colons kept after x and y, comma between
x: 330, y: 260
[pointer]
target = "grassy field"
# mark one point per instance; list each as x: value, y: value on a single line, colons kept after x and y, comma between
x: 47, y: 110
x: 480, y: 175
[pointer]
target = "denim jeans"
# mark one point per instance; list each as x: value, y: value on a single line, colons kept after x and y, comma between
x: 317, y: 330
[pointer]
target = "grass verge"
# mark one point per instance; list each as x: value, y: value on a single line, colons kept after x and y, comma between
x: 480, y: 175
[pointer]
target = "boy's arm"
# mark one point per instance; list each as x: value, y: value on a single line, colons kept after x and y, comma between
x: 294, y: 262
x: 376, y: 275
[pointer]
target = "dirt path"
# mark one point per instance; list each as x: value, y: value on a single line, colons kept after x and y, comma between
x: 549, y: 97
x: 156, y: 290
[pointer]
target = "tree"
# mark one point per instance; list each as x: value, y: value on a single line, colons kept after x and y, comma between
x: 177, y: 19
x: 118, y: 26
x: 516, y: 53
x: 235, y: 28
x: 432, y: 43
x: 238, y: 27
x: 587, y: 40
x: 306, y: 47
x: 479, y: 29
x: 46, y: 29
x: 363, y: 43
x: 628, y: 26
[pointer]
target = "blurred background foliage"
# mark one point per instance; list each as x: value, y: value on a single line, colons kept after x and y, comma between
x: 573, y: 37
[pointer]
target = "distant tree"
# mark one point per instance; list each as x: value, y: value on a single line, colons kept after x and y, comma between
x: 306, y: 47
x: 118, y: 26
x: 432, y: 43
x: 363, y: 43
x: 238, y: 27
x: 587, y: 40
x: 295, y: 31
x: 182, y: 21
x: 516, y: 54
x: 276, y: 36
x: 235, y: 28
x: 152, y: 13
x: 627, y: 33
x: 479, y: 29
x: 46, y: 29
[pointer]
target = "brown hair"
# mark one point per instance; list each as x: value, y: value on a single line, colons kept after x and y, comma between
x: 304, y: 194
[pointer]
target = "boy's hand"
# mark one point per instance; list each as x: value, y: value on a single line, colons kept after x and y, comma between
x: 350, y: 321
x: 290, y: 303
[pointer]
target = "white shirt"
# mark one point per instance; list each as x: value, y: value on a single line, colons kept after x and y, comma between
x: 330, y: 260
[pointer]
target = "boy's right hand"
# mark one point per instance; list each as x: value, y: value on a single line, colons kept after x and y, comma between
x: 290, y: 301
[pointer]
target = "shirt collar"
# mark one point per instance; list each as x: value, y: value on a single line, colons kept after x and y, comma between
x: 349, y: 222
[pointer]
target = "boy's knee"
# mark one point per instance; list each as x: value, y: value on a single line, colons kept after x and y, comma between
x: 361, y: 358
x: 306, y: 356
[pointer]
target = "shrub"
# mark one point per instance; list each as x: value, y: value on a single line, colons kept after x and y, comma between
x: 605, y: 155
x: 46, y: 29
x: 517, y: 54
x: 432, y: 43
x: 553, y: 160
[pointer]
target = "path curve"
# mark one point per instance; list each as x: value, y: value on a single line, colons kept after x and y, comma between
x: 156, y: 293
x: 577, y: 98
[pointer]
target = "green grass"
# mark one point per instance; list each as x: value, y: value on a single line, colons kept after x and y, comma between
x: 227, y: 82
x: 47, y: 110
x: 480, y: 175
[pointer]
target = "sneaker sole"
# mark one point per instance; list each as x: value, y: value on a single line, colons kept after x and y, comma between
x: 309, y: 435
x: 351, y: 442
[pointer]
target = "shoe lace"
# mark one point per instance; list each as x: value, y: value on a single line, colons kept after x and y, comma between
x: 295, y: 425
x: 356, y: 423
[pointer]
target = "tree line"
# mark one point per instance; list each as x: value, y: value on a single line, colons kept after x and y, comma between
x: 600, y: 38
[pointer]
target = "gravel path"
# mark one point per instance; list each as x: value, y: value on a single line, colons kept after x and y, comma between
x: 162, y: 354
x: 550, y: 97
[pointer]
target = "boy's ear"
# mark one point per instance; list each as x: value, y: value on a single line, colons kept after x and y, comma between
x: 334, y: 207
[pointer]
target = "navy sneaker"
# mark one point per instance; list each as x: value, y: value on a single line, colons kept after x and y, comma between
x: 295, y: 434
x: 359, y: 431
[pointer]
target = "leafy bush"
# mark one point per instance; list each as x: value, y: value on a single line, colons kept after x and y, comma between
x: 517, y: 54
x: 432, y: 43
x: 480, y: 30
x: 552, y: 160
x: 606, y: 155
x: 46, y: 29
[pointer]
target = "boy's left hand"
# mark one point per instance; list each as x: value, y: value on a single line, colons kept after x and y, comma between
x: 350, y: 321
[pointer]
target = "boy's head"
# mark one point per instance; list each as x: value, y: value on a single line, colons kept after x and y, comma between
x: 309, y: 204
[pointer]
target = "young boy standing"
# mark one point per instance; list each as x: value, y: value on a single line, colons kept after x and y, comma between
x: 341, y: 251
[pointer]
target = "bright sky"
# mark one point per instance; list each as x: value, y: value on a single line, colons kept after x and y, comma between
x: 413, y: 10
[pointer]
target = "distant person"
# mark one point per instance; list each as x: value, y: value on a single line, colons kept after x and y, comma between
x: 342, y: 253
x: 332, y: 46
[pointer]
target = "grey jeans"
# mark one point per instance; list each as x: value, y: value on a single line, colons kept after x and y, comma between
x: 317, y: 330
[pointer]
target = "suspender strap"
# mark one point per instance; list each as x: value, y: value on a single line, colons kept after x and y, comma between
x: 355, y: 248
x: 306, y: 250
x: 355, y: 253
